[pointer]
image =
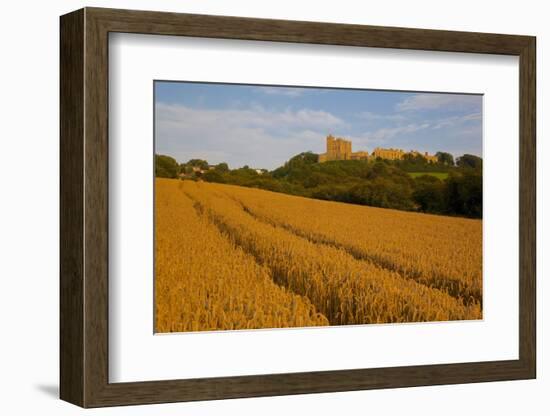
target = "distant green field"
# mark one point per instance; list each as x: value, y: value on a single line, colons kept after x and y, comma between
x: 439, y: 175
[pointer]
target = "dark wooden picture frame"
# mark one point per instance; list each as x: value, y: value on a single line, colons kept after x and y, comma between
x: 84, y: 207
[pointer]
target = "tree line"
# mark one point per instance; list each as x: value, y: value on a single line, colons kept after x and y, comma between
x: 380, y: 183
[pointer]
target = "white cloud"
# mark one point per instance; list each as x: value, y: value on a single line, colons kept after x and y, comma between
x: 388, y: 133
x: 253, y: 117
x: 456, y: 120
x: 419, y: 102
x: 255, y: 136
x: 453, y: 126
x: 368, y: 115
x: 286, y: 91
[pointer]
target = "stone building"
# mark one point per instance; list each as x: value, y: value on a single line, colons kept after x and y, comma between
x: 361, y: 155
x: 399, y: 154
x: 425, y: 155
x: 339, y: 148
x: 390, y: 154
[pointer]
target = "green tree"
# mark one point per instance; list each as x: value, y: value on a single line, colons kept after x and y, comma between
x: 213, y: 176
x: 379, y: 169
x: 469, y: 161
x: 315, y: 179
x: 429, y: 194
x: 203, y: 164
x: 464, y: 194
x: 384, y: 193
x: 166, y: 167
x: 445, y: 158
x: 222, y: 167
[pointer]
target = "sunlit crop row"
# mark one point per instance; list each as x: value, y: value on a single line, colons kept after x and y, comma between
x: 204, y: 282
x: 437, y: 251
x: 344, y: 288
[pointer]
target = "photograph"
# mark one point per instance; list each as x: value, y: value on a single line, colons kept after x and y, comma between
x: 248, y: 206
x: 300, y: 206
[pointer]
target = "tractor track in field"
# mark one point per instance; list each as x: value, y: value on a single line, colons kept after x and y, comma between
x: 453, y: 287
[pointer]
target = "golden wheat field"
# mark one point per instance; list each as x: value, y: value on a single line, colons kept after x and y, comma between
x: 229, y: 257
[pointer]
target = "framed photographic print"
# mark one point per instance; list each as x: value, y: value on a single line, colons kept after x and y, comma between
x: 255, y: 207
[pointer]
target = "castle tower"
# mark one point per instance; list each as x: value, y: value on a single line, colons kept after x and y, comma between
x: 347, y: 153
x: 339, y: 148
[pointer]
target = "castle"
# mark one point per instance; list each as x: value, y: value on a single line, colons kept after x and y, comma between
x: 340, y: 149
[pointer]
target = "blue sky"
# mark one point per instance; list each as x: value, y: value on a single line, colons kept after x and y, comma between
x: 263, y: 126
